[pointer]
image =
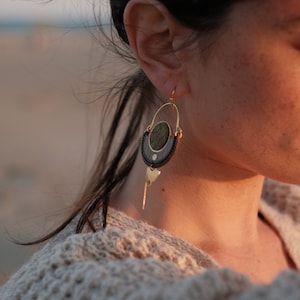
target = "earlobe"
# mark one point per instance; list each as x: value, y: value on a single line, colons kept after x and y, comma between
x: 152, y: 34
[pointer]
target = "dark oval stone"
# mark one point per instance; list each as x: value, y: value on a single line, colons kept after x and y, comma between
x: 159, y: 136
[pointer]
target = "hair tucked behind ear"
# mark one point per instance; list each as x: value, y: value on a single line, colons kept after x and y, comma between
x: 106, y: 178
x: 132, y: 97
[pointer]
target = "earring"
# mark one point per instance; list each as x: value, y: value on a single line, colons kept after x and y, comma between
x: 158, y: 145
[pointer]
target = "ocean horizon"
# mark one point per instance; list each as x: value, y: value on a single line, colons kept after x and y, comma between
x: 29, y: 24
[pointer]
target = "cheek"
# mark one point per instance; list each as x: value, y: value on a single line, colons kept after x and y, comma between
x: 263, y: 90
x: 249, y: 108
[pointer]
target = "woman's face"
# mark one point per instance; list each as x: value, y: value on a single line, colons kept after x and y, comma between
x: 244, y: 103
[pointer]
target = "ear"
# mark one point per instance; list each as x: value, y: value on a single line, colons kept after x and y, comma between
x: 154, y: 36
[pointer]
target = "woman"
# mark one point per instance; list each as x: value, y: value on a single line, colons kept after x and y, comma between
x: 229, y: 73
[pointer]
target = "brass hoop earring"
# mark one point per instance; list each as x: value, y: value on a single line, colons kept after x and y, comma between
x: 158, y: 145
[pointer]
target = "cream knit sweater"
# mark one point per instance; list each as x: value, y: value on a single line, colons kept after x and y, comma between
x: 132, y: 260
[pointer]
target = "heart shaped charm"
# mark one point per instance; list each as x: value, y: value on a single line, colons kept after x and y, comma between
x: 151, y: 176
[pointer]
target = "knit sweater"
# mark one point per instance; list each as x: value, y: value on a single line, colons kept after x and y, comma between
x: 133, y: 260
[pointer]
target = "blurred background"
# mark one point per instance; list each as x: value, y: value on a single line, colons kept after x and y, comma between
x: 49, y: 121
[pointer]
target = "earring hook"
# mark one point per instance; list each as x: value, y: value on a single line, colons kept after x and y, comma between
x: 172, y: 98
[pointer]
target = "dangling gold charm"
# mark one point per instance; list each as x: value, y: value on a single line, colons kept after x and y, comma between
x: 151, y: 176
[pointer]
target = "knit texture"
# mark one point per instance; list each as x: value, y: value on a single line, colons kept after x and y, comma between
x: 133, y: 260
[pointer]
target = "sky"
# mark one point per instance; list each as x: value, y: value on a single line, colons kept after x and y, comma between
x: 35, y: 10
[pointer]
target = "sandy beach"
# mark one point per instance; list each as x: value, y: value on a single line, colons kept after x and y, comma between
x: 49, y: 133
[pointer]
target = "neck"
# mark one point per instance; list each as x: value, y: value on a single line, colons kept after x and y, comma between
x: 213, y: 206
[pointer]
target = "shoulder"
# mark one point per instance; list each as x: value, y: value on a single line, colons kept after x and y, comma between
x: 104, y: 265
x: 285, y: 198
x: 280, y: 206
x: 126, y: 261
x: 88, y: 263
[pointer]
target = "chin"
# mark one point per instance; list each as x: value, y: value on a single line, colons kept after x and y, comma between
x: 286, y: 178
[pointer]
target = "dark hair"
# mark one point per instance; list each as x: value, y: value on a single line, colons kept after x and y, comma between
x: 112, y: 168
